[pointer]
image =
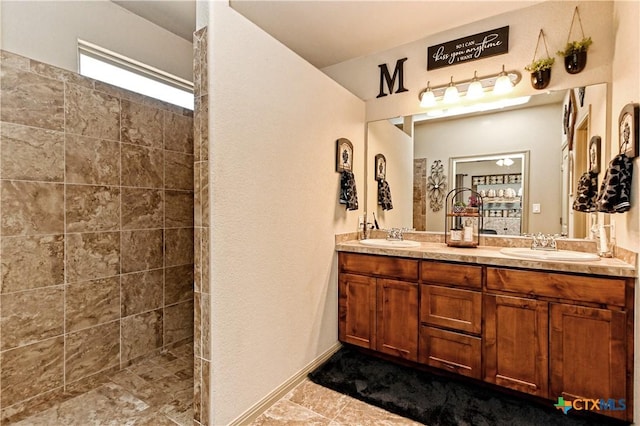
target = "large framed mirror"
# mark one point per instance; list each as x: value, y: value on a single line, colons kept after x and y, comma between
x: 534, y: 130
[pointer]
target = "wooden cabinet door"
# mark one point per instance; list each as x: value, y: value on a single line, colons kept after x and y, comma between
x: 587, y: 355
x: 397, y: 319
x: 356, y: 310
x: 515, y: 342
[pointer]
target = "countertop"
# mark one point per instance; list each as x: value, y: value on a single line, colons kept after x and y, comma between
x: 490, y: 255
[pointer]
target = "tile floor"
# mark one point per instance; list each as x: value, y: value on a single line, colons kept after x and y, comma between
x: 311, y: 404
x: 159, y: 392
x: 155, y: 392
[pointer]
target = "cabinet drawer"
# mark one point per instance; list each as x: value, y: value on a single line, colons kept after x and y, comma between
x: 451, y: 351
x: 573, y: 287
x: 452, y: 273
x: 451, y: 308
x: 392, y: 267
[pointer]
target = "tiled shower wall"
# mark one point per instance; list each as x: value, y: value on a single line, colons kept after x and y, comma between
x: 96, y: 231
x: 202, y: 335
x: 420, y: 194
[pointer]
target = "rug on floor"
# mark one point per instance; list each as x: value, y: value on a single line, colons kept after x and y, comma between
x: 436, y: 400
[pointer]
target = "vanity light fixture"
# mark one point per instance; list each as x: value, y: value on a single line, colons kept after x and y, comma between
x: 475, y: 90
x: 472, y: 89
x: 504, y: 162
x: 428, y: 99
x: 503, y: 83
x: 451, y: 94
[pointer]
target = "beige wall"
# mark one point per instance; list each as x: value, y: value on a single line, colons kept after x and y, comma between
x: 361, y: 75
x: 96, y: 231
x: 48, y: 31
x: 626, y: 88
x: 274, y: 121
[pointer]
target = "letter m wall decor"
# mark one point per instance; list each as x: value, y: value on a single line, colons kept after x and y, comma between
x: 385, y: 77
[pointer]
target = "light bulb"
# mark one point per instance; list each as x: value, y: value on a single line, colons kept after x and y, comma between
x: 451, y: 95
x: 508, y: 161
x: 475, y: 90
x: 503, y: 84
x: 500, y: 162
x: 428, y: 98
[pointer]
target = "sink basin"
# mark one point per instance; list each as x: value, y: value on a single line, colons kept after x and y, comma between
x: 381, y: 242
x: 563, y: 255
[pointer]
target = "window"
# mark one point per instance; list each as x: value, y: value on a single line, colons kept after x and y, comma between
x: 100, y: 64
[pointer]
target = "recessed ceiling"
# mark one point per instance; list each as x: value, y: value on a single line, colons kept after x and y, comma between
x: 329, y: 32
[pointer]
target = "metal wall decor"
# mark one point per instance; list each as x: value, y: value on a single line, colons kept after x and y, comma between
x: 436, y: 186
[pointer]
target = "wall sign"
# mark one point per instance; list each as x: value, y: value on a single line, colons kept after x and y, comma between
x: 471, y: 48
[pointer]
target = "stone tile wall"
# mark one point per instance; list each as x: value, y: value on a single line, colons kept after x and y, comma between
x: 96, y: 231
x: 202, y: 343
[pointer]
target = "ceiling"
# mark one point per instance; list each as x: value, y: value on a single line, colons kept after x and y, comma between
x: 329, y: 32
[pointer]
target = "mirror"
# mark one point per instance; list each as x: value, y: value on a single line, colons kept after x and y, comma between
x: 535, y: 132
x: 500, y: 180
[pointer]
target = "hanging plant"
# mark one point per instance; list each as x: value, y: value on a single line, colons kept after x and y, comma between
x: 575, y: 52
x: 540, y: 69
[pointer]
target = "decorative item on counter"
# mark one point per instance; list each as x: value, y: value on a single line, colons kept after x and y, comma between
x: 436, y: 186
x: 463, y: 222
x: 344, y: 166
x: 575, y: 52
x: 606, y: 244
x: 540, y: 69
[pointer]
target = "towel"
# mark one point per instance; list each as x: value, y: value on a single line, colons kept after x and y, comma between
x: 384, y: 195
x: 348, y: 193
x: 586, y: 193
x: 615, y: 190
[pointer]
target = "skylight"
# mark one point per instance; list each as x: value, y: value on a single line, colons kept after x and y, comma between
x: 133, y: 76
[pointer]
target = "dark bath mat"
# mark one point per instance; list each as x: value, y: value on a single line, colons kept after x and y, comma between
x: 435, y: 400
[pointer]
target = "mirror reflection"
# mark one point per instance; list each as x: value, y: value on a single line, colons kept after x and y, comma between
x: 500, y: 181
x: 534, y: 133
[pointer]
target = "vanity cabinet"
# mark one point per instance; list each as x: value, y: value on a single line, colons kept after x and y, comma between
x: 378, y: 303
x: 559, y: 335
x: 545, y: 333
x: 451, y: 317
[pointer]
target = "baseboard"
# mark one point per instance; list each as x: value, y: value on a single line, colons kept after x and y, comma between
x: 261, y: 406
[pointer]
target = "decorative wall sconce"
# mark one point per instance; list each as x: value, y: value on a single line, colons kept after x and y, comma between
x: 475, y: 88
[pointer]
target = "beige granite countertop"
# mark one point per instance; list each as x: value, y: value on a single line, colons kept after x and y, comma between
x: 490, y: 255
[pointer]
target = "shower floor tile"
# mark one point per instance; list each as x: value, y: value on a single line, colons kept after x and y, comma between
x: 155, y: 392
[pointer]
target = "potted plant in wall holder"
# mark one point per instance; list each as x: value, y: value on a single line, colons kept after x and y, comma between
x: 575, y: 52
x: 540, y: 69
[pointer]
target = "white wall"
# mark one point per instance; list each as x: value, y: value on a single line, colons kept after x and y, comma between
x: 362, y: 75
x: 48, y: 31
x: 397, y: 147
x: 534, y: 129
x: 626, y: 88
x: 274, y: 122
